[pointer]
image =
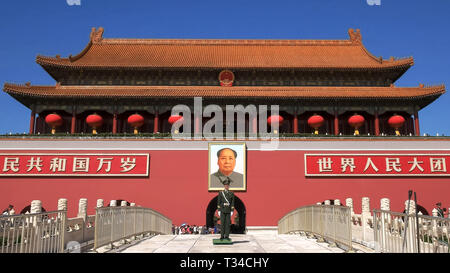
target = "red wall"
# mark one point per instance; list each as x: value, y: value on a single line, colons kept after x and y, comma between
x: 178, y: 187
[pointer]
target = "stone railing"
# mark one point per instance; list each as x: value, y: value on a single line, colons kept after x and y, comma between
x: 384, y: 231
x: 78, y: 232
x: 123, y: 224
x: 326, y: 223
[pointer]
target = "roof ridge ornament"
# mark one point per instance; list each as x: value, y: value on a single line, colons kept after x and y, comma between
x: 355, y: 36
x: 96, y: 34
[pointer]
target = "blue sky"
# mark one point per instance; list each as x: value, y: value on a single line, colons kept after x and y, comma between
x: 397, y: 28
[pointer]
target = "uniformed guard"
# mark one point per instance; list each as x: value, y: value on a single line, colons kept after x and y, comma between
x: 225, y: 206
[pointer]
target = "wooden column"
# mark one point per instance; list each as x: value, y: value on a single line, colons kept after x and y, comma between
x: 114, y: 129
x: 377, y: 124
x: 32, y: 121
x: 416, y: 123
x: 295, y: 122
x: 73, y: 123
x: 155, y: 122
x: 336, y: 123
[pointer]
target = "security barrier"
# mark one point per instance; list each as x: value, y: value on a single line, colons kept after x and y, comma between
x: 33, y: 233
x: 327, y: 223
x: 116, y: 223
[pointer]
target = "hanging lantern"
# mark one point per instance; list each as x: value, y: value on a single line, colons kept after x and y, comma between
x: 275, y: 119
x: 316, y: 121
x: 173, y: 119
x: 396, y: 121
x: 95, y: 121
x: 54, y: 120
x: 356, y: 121
x: 136, y: 121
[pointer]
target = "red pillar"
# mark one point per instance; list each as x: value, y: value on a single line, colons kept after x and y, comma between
x: 416, y: 123
x: 155, y: 122
x: 114, y: 129
x: 295, y: 123
x: 336, y: 123
x: 73, y: 123
x: 32, y: 119
x: 197, y: 125
x: 377, y: 124
x: 255, y: 125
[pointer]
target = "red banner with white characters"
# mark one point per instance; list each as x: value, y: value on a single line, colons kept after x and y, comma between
x: 377, y: 164
x: 73, y: 164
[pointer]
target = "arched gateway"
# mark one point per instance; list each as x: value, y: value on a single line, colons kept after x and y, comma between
x: 237, y: 227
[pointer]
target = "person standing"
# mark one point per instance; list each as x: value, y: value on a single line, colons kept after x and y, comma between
x: 225, y: 205
x: 440, y: 211
x: 9, y: 210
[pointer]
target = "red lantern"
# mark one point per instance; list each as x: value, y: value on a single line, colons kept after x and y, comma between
x: 275, y: 119
x: 396, y: 121
x: 173, y: 119
x: 54, y: 120
x: 136, y: 121
x: 315, y: 122
x: 356, y: 121
x: 95, y: 121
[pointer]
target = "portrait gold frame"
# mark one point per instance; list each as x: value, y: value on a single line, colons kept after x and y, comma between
x: 244, y: 167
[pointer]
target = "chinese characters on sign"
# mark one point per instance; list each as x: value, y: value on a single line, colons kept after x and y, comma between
x: 377, y: 164
x: 70, y: 164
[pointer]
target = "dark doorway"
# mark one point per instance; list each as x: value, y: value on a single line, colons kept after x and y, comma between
x: 238, y: 225
x: 28, y: 209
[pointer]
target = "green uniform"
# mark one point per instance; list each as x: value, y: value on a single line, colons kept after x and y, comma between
x: 225, y: 207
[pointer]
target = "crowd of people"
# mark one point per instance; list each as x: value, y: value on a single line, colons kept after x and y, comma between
x: 194, y: 229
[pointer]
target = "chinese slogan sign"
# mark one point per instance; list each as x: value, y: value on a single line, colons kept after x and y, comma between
x: 70, y: 164
x: 377, y: 164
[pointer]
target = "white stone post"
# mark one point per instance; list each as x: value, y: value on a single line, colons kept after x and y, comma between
x: 412, y: 207
x: 62, y: 204
x: 365, y: 215
x: 337, y: 202
x: 349, y: 203
x: 410, y: 239
x: 132, y: 204
x: 36, y: 206
x: 365, y: 205
x: 319, y: 203
x: 113, y: 203
x: 327, y: 202
x: 99, y: 203
x: 123, y: 204
x: 385, y: 204
x: 82, y: 208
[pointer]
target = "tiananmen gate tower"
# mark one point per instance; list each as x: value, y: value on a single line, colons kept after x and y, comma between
x: 103, y: 130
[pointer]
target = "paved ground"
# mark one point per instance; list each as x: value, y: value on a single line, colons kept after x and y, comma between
x: 258, y: 243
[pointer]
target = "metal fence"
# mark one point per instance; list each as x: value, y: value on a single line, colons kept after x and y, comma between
x: 328, y: 223
x: 398, y: 233
x: 33, y: 233
x: 116, y: 223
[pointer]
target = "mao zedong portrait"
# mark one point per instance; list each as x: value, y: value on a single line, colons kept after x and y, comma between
x: 226, y: 160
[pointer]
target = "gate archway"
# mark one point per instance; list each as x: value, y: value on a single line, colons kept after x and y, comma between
x: 237, y: 226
